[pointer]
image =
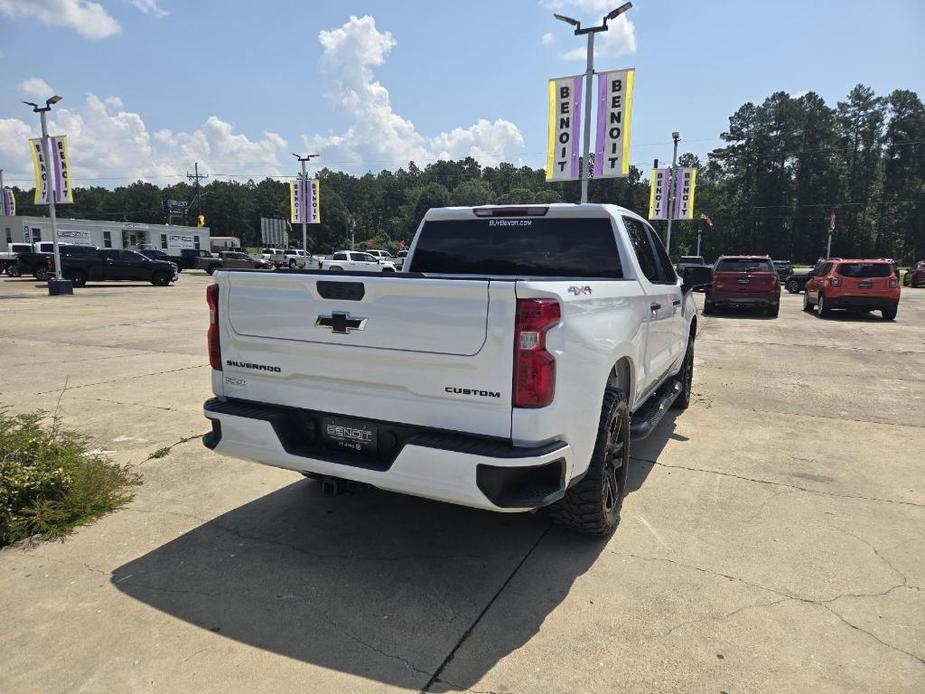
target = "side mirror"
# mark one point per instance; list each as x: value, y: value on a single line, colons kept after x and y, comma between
x: 696, y: 276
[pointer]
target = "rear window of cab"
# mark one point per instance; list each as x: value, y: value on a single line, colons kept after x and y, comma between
x: 864, y: 269
x: 744, y: 265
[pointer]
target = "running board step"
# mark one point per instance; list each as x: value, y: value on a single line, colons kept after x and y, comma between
x: 647, y: 417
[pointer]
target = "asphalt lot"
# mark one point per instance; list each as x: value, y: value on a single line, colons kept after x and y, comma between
x: 773, y: 538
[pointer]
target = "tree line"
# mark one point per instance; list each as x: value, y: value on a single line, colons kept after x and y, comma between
x: 785, y: 167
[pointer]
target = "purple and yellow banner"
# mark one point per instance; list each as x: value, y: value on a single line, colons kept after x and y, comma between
x: 314, y: 201
x: 7, y: 203
x: 304, y: 201
x: 685, y: 184
x: 614, y: 114
x: 564, y: 149
x: 57, y: 165
x: 658, y: 193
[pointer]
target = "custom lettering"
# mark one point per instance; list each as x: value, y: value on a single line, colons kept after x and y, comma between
x: 472, y: 391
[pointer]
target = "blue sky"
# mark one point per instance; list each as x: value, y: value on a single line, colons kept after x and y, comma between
x: 239, y: 85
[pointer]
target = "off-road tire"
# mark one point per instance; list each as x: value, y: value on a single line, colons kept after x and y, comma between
x: 792, y: 286
x: 292, y: 265
x: 78, y: 277
x: 335, y: 268
x: 211, y: 269
x: 592, y: 506
x: 824, y: 311
x: 161, y: 279
x: 709, y: 308
x: 889, y: 313
x: 13, y: 271
x: 773, y: 310
x: 686, y: 378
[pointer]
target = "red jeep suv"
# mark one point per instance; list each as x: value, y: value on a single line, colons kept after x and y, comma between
x: 744, y: 280
x: 856, y: 285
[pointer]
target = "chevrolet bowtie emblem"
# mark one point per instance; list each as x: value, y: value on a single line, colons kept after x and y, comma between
x: 340, y: 322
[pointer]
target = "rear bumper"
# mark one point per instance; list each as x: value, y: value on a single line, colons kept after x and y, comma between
x: 743, y: 298
x: 867, y: 302
x: 474, y: 471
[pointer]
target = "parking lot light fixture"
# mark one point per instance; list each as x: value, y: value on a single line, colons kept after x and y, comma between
x: 589, y: 76
x: 58, y: 285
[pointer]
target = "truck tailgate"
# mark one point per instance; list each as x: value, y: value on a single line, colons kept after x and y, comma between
x: 423, y: 351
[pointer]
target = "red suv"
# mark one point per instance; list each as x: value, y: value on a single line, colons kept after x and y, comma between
x: 744, y: 280
x: 856, y: 285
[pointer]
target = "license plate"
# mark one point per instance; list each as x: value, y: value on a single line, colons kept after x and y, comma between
x: 865, y: 285
x: 351, y: 435
x: 743, y: 281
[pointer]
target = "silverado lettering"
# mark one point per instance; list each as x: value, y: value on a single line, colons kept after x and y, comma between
x: 255, y: 367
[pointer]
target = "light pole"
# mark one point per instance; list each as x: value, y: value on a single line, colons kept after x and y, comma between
x: 57, y: 285
x: 671, y: 201
x: 306, y: 158
x: 589, y: 74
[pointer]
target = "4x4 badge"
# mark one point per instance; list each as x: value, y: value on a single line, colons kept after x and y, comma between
x: 340, y: 322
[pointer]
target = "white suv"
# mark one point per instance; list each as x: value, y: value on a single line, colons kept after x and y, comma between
x: 356, y: 261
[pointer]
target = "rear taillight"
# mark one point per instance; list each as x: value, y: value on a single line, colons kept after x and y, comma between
x: 836, y: 281
x: 215, y: 350
x: 534, y: 367
x: 894, y: 283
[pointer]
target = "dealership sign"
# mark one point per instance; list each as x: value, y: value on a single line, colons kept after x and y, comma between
x: 181, y: 241
x: 563, y: 149
x: 685, y: 183
x: 614, y: 111
x: 304, y: 203
x: 75, y: 237
x: 658, y: 193
x: 57, y: 165
x: 7, y: 202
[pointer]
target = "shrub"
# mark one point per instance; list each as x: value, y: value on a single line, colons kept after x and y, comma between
x: 50, y: 480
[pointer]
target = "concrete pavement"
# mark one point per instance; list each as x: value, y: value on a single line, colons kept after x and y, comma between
x: 773, y: 537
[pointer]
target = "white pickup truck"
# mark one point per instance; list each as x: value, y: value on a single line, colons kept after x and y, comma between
x: 505, y: 368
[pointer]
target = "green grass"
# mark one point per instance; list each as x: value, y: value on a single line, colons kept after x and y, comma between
x: 50, y: 480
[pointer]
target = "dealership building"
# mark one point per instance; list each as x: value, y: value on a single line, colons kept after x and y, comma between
x: 170, y: 238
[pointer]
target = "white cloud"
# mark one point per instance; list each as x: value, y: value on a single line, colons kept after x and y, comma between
x: 377, y: 137
x: 149, y: 7
x: 619, y: 39
x: 114, y: 146
x: 800, y: 94
x: 548, y: 38
x: 36, y: 88
x: 595, y: 8
x: 89, y: 19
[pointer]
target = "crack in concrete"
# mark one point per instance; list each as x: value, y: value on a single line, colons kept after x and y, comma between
x: 712, y: 618
x: 125, y: 378
x: 136, y: 404
x: 755, y: 480
x: 393, y: 656
x: 764, y: 343
x: 468, y: 632
x: 785, y: 596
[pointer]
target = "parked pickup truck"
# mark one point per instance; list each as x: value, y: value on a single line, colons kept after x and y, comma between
x: 281, y: 257
x: 40, y: 262
x: 114, y: 264
x: 9, y: 259
x: 230, y: 259
x: 504, y: 369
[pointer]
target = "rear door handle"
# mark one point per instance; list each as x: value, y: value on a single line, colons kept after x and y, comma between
x: 655, y: 307
x: 675, y: 302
